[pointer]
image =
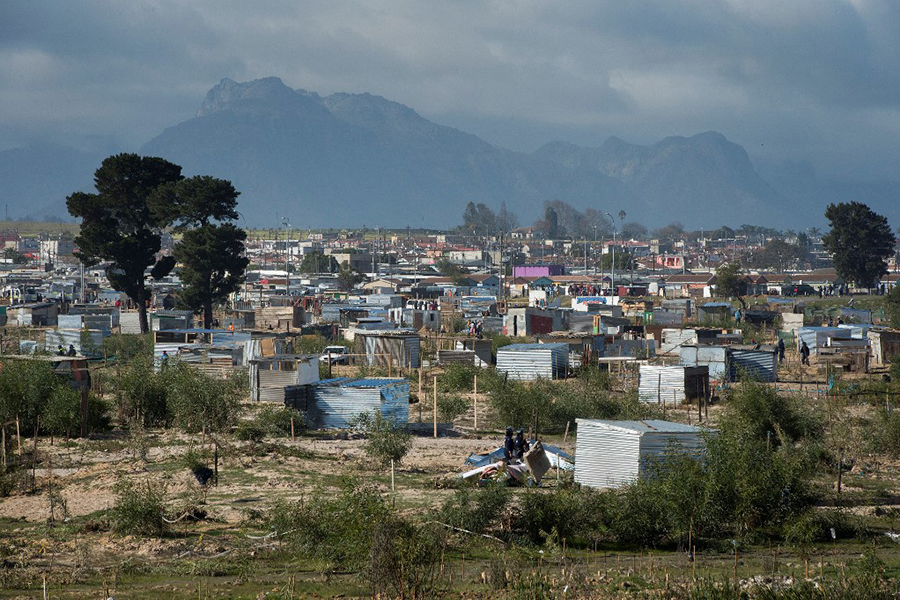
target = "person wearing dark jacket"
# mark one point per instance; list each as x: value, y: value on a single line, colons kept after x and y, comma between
x: 780, y: 350
x: 520, y: 445
x: 804, y: 354
x: 508, y: 445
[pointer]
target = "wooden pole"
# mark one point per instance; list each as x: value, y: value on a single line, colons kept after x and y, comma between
x: 475, y: 398
x: 3, y: 444
x: 566, y: 435
x: 435, y: 406
x: 292, y: 429
x: 18, y: 436
x: 392, y: 474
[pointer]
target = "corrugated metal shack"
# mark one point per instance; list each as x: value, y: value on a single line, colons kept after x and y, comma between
x: 269, y: 376
x: 33, y: 314
x: 171, y: 319
x: 527, y: 362
x: 819, y: 337
x: 581, y: 346
x: 111, y: 313
x: 609, y: 454
x: 714, y: 312
x: 885, y: 344
x: 278, y: 317
x: 333, y: 403
x: 758, y: 362
x: 388, y: 348
x: 659, y: 384
x: 87, y: 342
x: 715, y: 358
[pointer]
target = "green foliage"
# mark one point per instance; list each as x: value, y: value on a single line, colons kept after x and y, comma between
x: 476, y: 509
x: 452, y: 407
x: 385, y: 442
x: 25, y: 387
x: 316, y: 262
x: 892, y: 306
x: 141, y: 394
x: 139, y: 508
x: 860, y: 242
x: 730, y: 281
x: 404, y: 559
x: 62, y: 413
x: 197, y: 401
x: 270, y: 421
x: 451, y: 270
x: 458, y: 378
x: 336, y: 527
x: 478, y: 219
x: 14, y: 255
x: 779, y: 255
x: 118, y: 223
x: 759, y: 412
x: 213, y: 266
x: 549, y: 405
x: 884, y: 434
x: 126, y: 346
x: 572, y: 513
x: 348, y: 278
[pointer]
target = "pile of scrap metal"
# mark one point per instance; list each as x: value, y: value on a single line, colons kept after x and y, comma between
x: 535, y: 464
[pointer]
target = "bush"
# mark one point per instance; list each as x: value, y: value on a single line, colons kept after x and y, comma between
x: 25, y: 386
x: 452, y: 407
x: 570, y: 513
x: 334, y: 527
x: 884, y: 432
x: 141, y: 393
x: 761, y: 412
x: 476, y: 509
x: 125, y: 347
x: 276, y: 420
x: 139, y: 509
x: 404, y: 559
x: 250, y: 431
x: 385, y: 442
x: 458, y: 378
x: 199, y: 402
x: 62, y: 412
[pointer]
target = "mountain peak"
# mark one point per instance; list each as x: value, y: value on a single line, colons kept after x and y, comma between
x: 229, y: 94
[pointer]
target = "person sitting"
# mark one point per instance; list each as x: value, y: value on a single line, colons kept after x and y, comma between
x: 71, y: 351
x: 520, y: 445
x: 508, y: 445
x: 60, y: 351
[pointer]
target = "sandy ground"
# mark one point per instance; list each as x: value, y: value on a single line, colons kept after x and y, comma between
x: 85, y: 476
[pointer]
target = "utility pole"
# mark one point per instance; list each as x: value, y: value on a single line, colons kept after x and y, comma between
x: 612, y: 277
x: 287, y: 272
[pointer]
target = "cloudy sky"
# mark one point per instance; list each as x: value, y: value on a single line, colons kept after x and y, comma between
x: 788, y: 79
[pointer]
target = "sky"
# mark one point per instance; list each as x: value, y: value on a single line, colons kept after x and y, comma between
x: 800, y: 80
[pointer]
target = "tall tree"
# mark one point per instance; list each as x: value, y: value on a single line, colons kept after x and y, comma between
x: 211, y: 251
x: 119, y: 226
x: 730, y: 281
x: 506, y: 220
x: 213, y: 266
x: 860, y: 242
x: 478, y: 219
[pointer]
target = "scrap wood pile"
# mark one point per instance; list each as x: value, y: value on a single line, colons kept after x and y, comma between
x: 537, y: 461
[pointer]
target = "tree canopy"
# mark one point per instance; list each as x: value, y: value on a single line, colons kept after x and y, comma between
x: 120, y: 226
x: 213, y: 265
x: 730, y: 281
x: 860, y: 242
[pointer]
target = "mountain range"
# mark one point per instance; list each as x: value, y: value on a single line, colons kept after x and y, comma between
x: 348, y: 160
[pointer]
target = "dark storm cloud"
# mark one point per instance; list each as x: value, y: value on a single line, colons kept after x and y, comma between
x: 805, y: 78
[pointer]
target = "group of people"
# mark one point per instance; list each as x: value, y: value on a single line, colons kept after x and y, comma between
x: 60, y: 351
x: 515, y: 447
x: 475, y: 327
x: 424, y: 305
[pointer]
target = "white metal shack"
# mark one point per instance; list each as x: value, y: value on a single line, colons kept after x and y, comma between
x: 609, y: 454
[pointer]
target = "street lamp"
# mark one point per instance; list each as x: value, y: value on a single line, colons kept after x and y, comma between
x: 612, y: 277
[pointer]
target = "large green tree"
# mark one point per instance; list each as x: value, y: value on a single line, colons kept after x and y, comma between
x: 211, y: 250
x: 730, y: 281
x: 213, y: 266
x: 119, y: 226
x: 860, y: 242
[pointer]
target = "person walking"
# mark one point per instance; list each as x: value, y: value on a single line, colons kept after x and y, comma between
x: 780, y: 350
x: 804, y: 354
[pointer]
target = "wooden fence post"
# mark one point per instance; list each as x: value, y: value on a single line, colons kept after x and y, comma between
x: 435, y: 406
x: 475, y: 399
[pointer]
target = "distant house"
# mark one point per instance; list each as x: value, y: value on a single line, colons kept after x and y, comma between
x: 539, y: 270
x: 691, y: 285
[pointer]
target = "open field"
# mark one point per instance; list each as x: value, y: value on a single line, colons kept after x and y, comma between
x: 57, y: 523
x: 34, y: 228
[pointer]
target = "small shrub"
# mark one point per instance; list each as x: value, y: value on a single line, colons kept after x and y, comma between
x: 62, y: 413
x: 385, y: 442
x: 250, y: 431
x: 139, y: 508
x: 141, y: 394
x: 458, y: 378
x: 476, y: 509
x: 276, y: 420
x: 451, y: 407
x: 571, y: 512
x: 125, y: 347
x: 197, y: 401
x: 884, y: 432
x: 404, y: 559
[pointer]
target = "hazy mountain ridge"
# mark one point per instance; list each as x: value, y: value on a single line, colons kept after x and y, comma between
x: 354, y: 159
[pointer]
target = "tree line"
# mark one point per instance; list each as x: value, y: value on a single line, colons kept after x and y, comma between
x: 138, y: 198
